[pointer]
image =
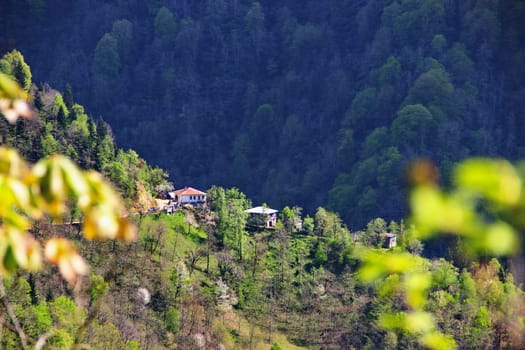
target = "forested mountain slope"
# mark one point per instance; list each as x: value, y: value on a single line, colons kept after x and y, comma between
x: 305, y: 102
x: 198, y: 279
x: 59, y: 125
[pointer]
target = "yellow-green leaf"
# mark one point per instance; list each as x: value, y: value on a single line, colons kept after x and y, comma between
x: 416, y: 285
x: 501, y: 239
x: 419, y: 322
x: 496, y: 179
x: 438, y: 341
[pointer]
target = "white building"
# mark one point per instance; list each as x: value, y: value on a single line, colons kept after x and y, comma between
x: 262, y: 216
x: 188, y: 195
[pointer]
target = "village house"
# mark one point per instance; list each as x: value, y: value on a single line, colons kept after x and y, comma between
x: 188, y: 196
x: 262, y: 216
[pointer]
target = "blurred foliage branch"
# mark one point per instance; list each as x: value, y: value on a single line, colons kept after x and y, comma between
x: 485, y: 207
x: 48, y: 188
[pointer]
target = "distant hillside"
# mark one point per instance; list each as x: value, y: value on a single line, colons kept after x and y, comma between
x: 62, y: 126
x: 306, y: 102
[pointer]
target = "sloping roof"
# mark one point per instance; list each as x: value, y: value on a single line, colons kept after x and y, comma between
x: 261, y: 210
x: 188, y: 191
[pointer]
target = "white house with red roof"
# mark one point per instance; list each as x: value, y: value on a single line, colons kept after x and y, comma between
x: 188, y: 195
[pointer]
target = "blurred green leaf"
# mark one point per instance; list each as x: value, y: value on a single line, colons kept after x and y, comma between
x: 419, y: 322
x: 495, y: 179
x: 501, y: 239
x: 438, y: 341
x: 10, y: 89
x: 416, y: 285
x: 9, y: 260
x: 377, y: 263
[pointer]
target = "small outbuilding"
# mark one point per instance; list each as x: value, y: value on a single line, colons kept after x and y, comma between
x: 262, y: 216
x: 390, y: 240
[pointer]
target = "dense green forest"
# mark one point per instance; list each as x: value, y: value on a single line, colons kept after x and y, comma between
x: 304, y: 105
x: 318, y: 103
x: 198, y: 279
x: 62, y: 126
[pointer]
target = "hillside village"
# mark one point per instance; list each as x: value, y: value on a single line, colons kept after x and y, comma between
x: 190, y: 198
x: 259, y: 217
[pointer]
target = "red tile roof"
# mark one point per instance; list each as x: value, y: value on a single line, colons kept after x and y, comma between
x: 188, y: 191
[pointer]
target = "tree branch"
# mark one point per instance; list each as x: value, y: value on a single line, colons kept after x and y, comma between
x: 14, y: 320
